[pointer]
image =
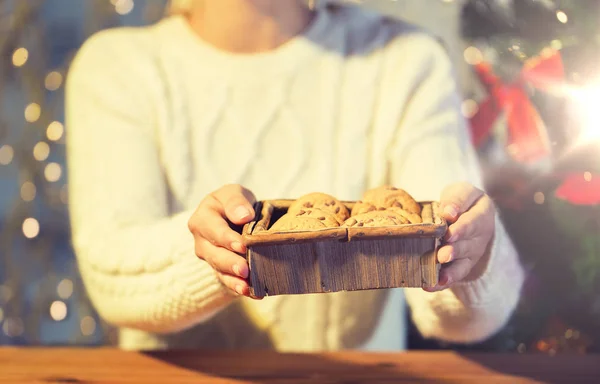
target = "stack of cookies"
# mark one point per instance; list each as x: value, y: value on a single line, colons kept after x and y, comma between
x: 383, y: 206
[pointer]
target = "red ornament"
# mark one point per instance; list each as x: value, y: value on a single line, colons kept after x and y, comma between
x: 527, y: 135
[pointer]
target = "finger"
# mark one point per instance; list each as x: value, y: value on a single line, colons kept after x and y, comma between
x: 237, y: 203
x: 210, y: 225
x: 455, y: 272
x: 221, y: 259
x: 446, y: 254
x: 235, y: 283
x: 457, y: 199
x: 450, y: 274
x: 466, y: 249
x: 477, y: 220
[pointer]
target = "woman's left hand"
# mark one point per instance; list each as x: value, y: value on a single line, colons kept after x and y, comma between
x: 464, y: 254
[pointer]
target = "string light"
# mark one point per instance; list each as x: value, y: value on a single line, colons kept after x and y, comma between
x: 31, y: 228
x: 58, y: 310
x: 55, y: 131
x: 123, y: 7
x: 41, y: 151
x: 53, y: 81
x: 88, y: 326
x: 20, y: 56
x: 6, y: 154
x: 13, y: 327
x: 52, y: 172
x: 65, y: 289
x: 32, y: 112
x: 28, y: 191
x: 587, y: 176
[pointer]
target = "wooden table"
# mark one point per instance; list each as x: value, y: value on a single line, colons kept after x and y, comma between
x: 79, y: 366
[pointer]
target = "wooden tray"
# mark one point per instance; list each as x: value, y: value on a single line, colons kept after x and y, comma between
x: 340, y: 259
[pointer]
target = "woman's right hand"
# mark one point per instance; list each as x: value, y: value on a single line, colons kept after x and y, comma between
x: 216, y: 242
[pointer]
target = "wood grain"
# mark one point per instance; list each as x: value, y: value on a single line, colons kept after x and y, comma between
x: 341, y: 258
x: 266, y: 238
x: 427, y: 214
x: 332, y: 266
x: 90, y: 366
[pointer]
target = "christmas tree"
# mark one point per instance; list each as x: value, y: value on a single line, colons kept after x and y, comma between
x: 42, y: 300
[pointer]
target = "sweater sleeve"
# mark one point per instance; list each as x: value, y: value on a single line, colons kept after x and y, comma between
x: 432, y: 149
x: 136, y: 258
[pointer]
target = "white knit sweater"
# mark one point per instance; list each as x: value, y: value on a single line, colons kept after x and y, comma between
x: 158, y: 118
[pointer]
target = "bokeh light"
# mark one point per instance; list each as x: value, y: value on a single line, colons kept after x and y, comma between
x: 31, y: 228
x: 55, y: 131
x: 88, y: 326
x: 28, y: 191
x: 53, y: 81
x: 13, y: 327
x: 32, y: 112
x: 6, y: 154
x: 469, y: 108
x: 473, y: 55
x: 556, y: 44
x: 20, y: 56
x: 539, y: 198
x: 58, y: 310
x: 123, y: 7
x: 65, y: 289
x: 41, y: 151
x: 562, y: 17
x: 53, y: 172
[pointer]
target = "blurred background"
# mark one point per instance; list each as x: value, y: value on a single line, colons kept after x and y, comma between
x: 530, y: 78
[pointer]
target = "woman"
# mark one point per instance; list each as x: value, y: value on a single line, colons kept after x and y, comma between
x: 172, y: 126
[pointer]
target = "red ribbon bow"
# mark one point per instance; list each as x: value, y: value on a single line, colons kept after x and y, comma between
x: 580, y: 189
x: 527, y: 135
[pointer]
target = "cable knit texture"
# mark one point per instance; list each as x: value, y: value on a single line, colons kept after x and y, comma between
x: 158, y: 118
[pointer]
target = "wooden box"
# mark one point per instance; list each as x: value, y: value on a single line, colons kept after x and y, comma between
x: 341, y: 258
